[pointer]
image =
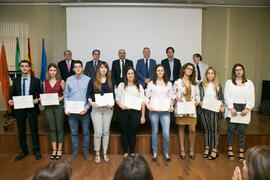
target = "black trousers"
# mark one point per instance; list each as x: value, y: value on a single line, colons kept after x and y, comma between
x: 21, y: 116
x: 128, y: 121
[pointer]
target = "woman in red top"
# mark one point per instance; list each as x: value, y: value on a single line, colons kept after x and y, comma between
x: 55, y: 113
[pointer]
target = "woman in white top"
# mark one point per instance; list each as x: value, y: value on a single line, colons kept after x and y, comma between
x: 211, y: 89
x: 131, y: 112
x: 239, y: 97
x: 186, y: 90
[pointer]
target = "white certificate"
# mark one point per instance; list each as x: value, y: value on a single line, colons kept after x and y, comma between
x: 241, y: 119
x: 160, y: 104
x: 75, y: 107
x: 185, y: 108
x: 106, y: 99
x: 21, y: 102
x: 211, y: 104
x: 49, y: 99
x: 133, y: 102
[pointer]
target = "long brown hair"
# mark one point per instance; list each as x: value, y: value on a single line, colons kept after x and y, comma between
x: 97, y: 81
x: 57, y: 76
x: 135, y: 81
x: 193, y: 75
x: 165, y: 77
x: 244, y: 79
x: 206, y: 81
x: 258, y: 162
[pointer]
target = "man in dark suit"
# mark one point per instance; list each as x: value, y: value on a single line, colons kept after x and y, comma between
x: 22, y: 86
x: 172, y: 65
x: 91, y: 66
x: 145, y: 68
x: 119, y: 66
x: 66, y: 65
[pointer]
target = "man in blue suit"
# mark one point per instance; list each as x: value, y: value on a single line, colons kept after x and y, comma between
x: 145, y: 68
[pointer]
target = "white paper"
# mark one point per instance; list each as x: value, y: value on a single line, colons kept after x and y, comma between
x: 133, y: 102
x: 241, y: 119
x: 185, y: 108
x: 160, y: 104
x: 21, y: 102
x: 49, y: 99
x: 75, y: 107
x: 106, y: 99
x: 211, y: 104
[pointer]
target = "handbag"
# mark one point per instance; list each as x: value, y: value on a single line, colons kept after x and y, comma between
x: 239, y: 107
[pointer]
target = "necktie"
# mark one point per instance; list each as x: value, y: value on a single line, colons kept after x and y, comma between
x: 24, y: 79
x: 123, y: 66
x: 95, y: 65
x: 68, y: 66
x: 146, y: 67
x: 199, y: 72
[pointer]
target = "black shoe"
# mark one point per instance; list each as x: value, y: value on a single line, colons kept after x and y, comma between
x: 37, y: 155
x: 241, y: 159
x: 21, y: 156
x: 58, y: 157
x: 204, y: 154
x: 230, y: 157
x: 168, y: 159
x: 53, y: 155
x: 154, y: 159
x: 212, y: 157
x: 191, y: 156
x: 182, y: 156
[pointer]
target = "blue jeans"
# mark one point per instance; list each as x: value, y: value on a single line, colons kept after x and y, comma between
x: 73, y: 120
x: 164, y: 118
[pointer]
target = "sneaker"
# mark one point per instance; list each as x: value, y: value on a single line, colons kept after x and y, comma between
x: 72, y: 157
x: 97, y: 159
x: 106, y: 157
x: 87, y: 156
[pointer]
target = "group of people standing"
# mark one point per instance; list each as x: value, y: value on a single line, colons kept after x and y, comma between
x: 191, y: 82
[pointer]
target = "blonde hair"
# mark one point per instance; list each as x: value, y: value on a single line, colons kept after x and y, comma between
x: 215, y: 80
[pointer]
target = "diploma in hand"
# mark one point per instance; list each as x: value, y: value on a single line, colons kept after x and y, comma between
x: 133, y: 102
x: 160, y: 104
x: 211, y: 104
x: 241, y: 119
x: 49, y: 99
x: 185, y: 108
x: 21, y: 102
x: 104, y: 100
x: 75, y: 107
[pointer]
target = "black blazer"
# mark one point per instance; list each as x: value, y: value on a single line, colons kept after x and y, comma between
x: 62, y: 65
x: 116, y: 70
x: 89, y: 69
x: 33, y: 90
x: 176, y: 68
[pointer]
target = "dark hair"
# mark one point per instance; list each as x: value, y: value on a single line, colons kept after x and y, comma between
x: 165, y: 77
x: 68, y: 51
x: 78, y: 62
x: 258, y: 162
x: 244, y: 79
x: 193, y: 75
x: 168, y: 48
x: 95, y: 51
x: 97, y: 81
x: 133, y: 168
x: 54, y: 171
x: 198, y: 56
x: 25, y: 61
x: 135, y: 81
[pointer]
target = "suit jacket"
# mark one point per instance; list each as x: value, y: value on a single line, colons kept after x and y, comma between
x: 141, y: 71
x: 33, y: 90
x: 176, y: 68
x: 116, y: 70
x: 62, y: 65
x: 89, y: 69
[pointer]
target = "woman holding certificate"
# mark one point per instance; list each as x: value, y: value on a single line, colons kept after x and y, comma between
x: 186, y: 95
x: 240, y: 98
x: 130, y: 99
x: 55, y: 113
x: 159, y: 96
x: 212, y: 103
x: 102, y: 110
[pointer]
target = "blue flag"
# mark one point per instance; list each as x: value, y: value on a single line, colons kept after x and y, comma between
x: 43, y: 67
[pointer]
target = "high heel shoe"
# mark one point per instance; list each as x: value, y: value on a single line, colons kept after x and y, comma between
x: 212, y: 157
x: 191, y: 156
x: 155, y: 158
x: 182, y: 156
x: 168, y: 159
x: 241, y: 159
x: 58, y: 157
x: 53, y: 155
x: 204, y: 154
x: 230, y: 156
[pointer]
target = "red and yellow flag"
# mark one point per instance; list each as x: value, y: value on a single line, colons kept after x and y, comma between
x: 32, y: 73
x: 4, y: 77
